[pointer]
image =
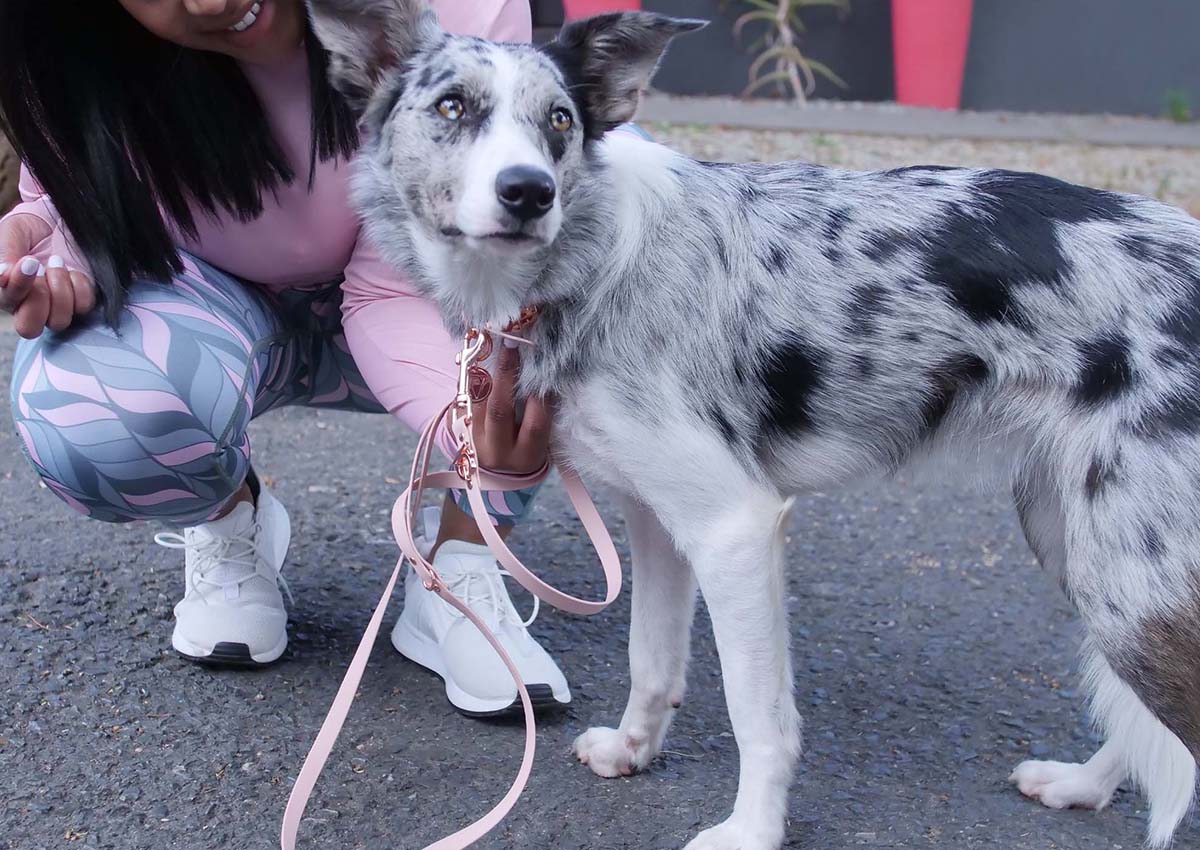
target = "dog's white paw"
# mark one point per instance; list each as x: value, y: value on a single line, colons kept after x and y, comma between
x: 1061, y: 786
x: 611, y: 752
x: 733, y: 835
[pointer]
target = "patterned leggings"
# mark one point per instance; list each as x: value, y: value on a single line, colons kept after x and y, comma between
x: 149, y: 421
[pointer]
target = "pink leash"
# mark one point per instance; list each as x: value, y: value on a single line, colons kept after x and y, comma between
x: 473, y: 386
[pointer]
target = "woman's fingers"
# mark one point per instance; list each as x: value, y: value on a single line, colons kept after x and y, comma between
x: 34, y: 311
x: 85, y: 293
x: 533, y: 439
x: 19, y: 283
x: 62, y: 295
x: 501, y: 408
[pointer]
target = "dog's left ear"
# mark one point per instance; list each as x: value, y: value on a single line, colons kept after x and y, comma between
x: 367, y: 38
x: 610, y: 59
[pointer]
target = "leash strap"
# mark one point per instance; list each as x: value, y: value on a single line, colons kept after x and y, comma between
x: 474, y: 480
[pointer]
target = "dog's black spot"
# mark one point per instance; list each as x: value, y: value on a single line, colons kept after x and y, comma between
x: 1113, y: 607
x: 728, y: 432
x: 790, y: 374
x: 835, y: 224
x: 440, y: 78
x: 556, y: 142
x: 739, y: 371
x: 416, y: 202
x: 1152, y: 542
x: 425, y: 76
x: 1182, y: 323
x: 722, y: 250
x: 911, y: 336
x: 864, y: 366
x: 1172, y: 355
x: 880, y: 246
x: 833, y: 254
x: 1005, y: 237
x: 775, y: 259
x: 1102, y: 473
x: 1106, y: 373
x: 1179, y: 259
x: 870, y: 301
x: 946, y: 384
x: 716, y: 237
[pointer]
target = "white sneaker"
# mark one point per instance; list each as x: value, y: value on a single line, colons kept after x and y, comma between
x: 232, y: 611
x: 441, y: 639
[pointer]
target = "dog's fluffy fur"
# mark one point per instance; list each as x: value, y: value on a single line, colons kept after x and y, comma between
x: 722, y: 336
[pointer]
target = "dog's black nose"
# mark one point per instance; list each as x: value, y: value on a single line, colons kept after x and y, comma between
x: 525, y: 191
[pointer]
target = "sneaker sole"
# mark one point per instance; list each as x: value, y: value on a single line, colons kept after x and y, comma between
x: 226, y: 654
x: 421, y: 651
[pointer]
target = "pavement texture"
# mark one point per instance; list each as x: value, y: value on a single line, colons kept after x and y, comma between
x: 932, y: 655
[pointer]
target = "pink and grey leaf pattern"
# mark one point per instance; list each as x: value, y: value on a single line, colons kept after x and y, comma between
x: 149, y: 421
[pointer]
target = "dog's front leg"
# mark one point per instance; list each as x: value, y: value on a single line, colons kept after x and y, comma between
x: 737, y: 557
x: 664, y: 601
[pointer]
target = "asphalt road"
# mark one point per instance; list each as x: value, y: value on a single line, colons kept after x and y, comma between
x: 932, y: 655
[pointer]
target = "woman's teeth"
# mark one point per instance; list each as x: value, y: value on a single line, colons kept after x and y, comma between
x: 248, y: 21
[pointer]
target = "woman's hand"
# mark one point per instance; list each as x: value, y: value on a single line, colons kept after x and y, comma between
x: 37, y: 297
x: 504, y: 445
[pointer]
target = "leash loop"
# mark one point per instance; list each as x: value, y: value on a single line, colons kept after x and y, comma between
x: 470, y: 476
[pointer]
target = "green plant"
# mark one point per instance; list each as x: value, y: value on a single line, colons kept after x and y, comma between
x: 1178, y: 105
x: 780, y: 62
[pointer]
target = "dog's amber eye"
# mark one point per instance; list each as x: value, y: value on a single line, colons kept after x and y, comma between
x: 561, y: 120
x: 451, y: 107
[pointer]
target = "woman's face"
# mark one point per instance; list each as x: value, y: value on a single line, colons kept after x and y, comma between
x: 259, y: 31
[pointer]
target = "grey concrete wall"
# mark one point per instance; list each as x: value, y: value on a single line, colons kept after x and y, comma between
x: 1082, y: 55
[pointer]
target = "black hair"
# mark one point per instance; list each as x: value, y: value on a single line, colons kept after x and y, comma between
x: 116, y: 123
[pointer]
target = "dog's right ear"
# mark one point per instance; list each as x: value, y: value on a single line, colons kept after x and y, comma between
x: 609, y: 59
x: 367, y: 38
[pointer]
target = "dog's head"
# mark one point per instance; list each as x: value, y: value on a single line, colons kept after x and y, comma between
x: 477, y: 148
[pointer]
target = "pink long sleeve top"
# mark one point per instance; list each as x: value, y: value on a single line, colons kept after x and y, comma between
x: 306, y: 238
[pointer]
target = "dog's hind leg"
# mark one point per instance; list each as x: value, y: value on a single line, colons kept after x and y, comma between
x: 664, y: 601
x: 1133, y: 534
x: 737, y: 556
x: 1055, y: 784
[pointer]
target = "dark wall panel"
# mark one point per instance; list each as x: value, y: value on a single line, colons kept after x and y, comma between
x: 1082, y: 55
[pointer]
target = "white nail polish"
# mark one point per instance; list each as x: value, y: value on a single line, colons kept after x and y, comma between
x: 56, y: 262
x: 41, y: 272
x: 30, y: 265
x: 3, y: 268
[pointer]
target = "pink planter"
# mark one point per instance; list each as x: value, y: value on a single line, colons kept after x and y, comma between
x: 576, y: 9
x: 930, y: 38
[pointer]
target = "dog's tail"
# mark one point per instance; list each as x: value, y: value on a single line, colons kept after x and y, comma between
x: 1155, y: 758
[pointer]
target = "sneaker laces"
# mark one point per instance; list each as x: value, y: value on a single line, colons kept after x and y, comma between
x: 217, y: 554
x: 485, y: 586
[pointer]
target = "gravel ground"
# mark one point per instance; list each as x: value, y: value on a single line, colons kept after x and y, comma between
x: 932, y: 655
x: 1170, y: 174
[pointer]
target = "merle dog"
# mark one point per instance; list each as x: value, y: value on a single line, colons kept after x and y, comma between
x: 723, y: 336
